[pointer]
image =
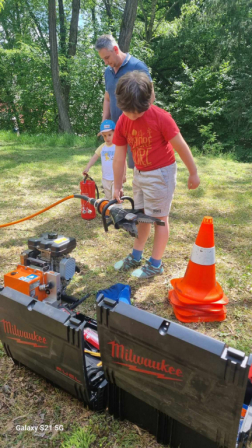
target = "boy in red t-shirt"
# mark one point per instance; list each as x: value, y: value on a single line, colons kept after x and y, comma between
x: 152, y: 135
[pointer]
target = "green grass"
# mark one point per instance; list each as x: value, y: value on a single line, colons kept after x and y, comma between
x: 80, y: 438
x: 38, y: 171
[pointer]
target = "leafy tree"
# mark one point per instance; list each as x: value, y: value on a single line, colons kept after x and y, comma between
x: 202, y: 65
x: 26, y: 90
x: 26, y: 86
x: 153, y: 13
x: 199, y: 52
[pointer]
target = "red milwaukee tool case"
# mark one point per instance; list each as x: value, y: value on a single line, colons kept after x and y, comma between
x: 184, y: 387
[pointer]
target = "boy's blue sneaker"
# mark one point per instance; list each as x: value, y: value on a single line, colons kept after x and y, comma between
x: 147, y: 271
x: 127, y: 263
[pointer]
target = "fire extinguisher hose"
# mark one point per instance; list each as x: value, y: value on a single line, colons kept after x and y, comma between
x: 119, y: 218
x: 48, y: 208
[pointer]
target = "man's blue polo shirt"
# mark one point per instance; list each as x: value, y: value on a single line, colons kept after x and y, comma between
x: 111, y: 79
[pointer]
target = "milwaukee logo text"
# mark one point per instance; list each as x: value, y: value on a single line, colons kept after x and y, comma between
x: 13, y: 330
x: 160, y: 369
x: 70, y: 375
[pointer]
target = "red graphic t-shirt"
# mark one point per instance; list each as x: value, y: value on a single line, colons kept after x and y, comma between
x: 148, y: 137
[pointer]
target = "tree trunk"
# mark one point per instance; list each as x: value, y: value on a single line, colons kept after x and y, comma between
x: 94, y: 23
x: 108, y: 9
x: 128, y: 21
x: 111, y: 25
x: 63, y: 52
x: 64, y: 122
x: 149, y: 30
x: 73, y: 28
x: 72, y: 45
x: 62, y: 33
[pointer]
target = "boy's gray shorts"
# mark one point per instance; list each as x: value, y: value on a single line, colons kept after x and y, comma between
x: 153, y: 190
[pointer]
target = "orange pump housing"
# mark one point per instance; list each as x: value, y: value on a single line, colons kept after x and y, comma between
x: 27, y: 280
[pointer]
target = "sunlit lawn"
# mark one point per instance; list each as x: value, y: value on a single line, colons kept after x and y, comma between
x: 37, y: 173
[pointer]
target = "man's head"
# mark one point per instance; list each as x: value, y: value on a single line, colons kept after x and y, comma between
x: 133, y: 94
x: 108, y: 50
x: 107, y: 130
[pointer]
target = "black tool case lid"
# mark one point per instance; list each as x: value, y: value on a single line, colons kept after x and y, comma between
x: 190, y: 377
x: 47, y: 340
x: 58, y: 244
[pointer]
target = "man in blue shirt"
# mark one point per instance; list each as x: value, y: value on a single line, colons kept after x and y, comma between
x: 118, y: 63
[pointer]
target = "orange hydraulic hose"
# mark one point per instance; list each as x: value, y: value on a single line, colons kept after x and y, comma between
x: 38, y: 213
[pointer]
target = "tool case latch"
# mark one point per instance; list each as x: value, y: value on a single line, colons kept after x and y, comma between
x: 74, y: 321
x: 235, y: 356
x: 109, y: 302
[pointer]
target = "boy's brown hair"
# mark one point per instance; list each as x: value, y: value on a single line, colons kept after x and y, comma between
x: 133, y: 92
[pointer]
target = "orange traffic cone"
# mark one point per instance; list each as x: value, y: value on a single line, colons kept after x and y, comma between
x: 213, y: 307
x: 202, y: 318
x: 198, y: 292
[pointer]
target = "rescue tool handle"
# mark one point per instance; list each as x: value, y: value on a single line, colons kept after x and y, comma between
x: 107, y: 223
x: 128, y: 198
x: 104, y: 220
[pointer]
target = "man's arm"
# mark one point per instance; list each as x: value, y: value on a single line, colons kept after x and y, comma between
x: 183, y: 150
x: 118, y: 168
x: 106, y: 107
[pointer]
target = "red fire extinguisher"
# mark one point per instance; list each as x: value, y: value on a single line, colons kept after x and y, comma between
x: 88, y: 188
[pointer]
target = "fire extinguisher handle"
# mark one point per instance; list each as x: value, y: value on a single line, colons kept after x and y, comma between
x: 84, y: 180
x: 87, y: 176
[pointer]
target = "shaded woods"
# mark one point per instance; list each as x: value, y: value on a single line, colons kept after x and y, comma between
x: 51, y: 78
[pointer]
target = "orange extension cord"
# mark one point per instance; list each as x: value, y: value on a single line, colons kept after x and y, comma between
x: 38, y: 213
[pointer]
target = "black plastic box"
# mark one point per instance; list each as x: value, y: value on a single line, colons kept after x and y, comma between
x: 194, y: 384
x: 50, y: 342
x: 184, y: 387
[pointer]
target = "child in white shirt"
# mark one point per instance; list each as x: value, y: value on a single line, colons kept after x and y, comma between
x: 106, y: 151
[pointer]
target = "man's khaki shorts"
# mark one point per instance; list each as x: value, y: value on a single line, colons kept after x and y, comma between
x: 153, y: 190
